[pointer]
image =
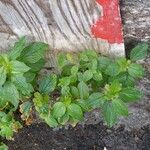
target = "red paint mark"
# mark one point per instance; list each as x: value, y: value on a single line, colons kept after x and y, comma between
x: 109, y: 26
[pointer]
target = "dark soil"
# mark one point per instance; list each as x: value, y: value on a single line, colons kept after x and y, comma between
x: 91, y: 137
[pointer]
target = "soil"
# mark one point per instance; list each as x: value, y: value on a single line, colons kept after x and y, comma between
x: 89, y: 137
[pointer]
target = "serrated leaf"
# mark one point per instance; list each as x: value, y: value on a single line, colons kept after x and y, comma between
x: 74, y: 70
x: 51, y: 121
x: 30, y: 76
x: 2, y: 76
x: 34, y: 52
x: 87, y: 75
x: 66, y: 100
x: 65, y: 90
x: 36, y: 67
x: 113, y: 69
x: 75, y: 111
x: 83, y: 104
x: 66, y: 70
x: 59, y: 109
x: 123, y: 64
x: 83, y: 90
x: 95, y: 100
x: 64, y: 81
x: 25, y: 109
x: 61, y: 60
x: 22, y: 85
x: 136, y: 70
x: 130, y: 94
x: 91, y: 54
x: 73, y: 79
x: 74, y: 91
x: 18, y: 67
x: 115, y: 87
x: 6, y: 132
x: 93, y: 65
x: 103, y: 62
x: 17, y: 49
x: 80, y: 76
x: 109, y: 114
x: 139, y: 52
x: 11, y: 94
x: 97, y: 76
x: 63, y: 120
x: 125, y: 79
x: 48, y: 83
x: 120, y: 107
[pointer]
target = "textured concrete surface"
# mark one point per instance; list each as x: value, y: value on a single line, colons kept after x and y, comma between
x: 136, y: 19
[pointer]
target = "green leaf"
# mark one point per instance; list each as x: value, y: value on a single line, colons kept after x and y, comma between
x: 83, y: 90
x: 87, y: 75
x: 83, y: 104
x: 130, y: 94
x: 74, y: 70
x: 41, y: 103
x: 62, y: 60
x: 139, y: 52
x: 83, y: 57
x: 2, y: 76
x: 97, y: 76
x: 11, y: 94
x: 18, y: 67
x: 109, y: 114
x: 6, y: 132
x: 63, y: 120
x: 66, y: 100
x: 17, y: 49
x: 48, y: 83
x: 113, y: 69
x: 73, y: 79
x: 59, y: 109
x: 136, y: 70
x: 74, y: 91
x: 51, y: 121
x: 64, y: 81
x: 36, y: 67
x: 95, y: 100
x: 112, y: 91
x: 93, y: 65
x: 120, y: 107
x: 75, y: 111
x: 103, y: 62
x: 21, y: 84
x: 80, y: 76
x: 30, y: 76
x: 66, y: 70
x: 3, y: 146
x: 34, y: 52
x: 25, y: 109
x: 90, y: 54
x: 124, y: 78
x: 65, y: 90
x: 123, y: 64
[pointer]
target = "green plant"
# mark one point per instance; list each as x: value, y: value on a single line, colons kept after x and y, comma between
x: 87, y: 81
x: 18, y: 71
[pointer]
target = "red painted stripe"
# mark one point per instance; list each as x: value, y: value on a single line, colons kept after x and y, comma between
x: 109, y: 26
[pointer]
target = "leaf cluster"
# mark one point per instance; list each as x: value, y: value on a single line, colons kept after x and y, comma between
x: 19, y: 68
x: 86, y: 81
